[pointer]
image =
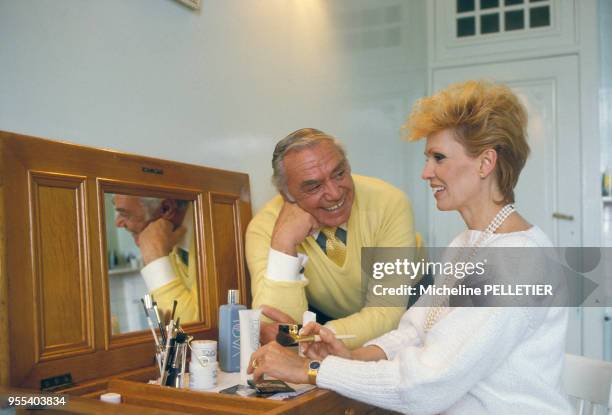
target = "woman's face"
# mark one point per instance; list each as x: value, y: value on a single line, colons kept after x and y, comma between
x: 453, y: 175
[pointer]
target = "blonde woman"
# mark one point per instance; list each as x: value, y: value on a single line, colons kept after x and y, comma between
x: 454, y: 360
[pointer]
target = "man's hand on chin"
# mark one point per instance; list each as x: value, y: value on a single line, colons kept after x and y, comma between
x: 292, y: 226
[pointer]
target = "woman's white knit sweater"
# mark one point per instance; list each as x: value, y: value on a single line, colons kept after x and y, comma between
x: 473, y: 360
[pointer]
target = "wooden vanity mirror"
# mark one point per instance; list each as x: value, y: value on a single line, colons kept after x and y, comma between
x: 60, y: 311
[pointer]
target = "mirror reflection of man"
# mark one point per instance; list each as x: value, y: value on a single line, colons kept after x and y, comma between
x: 163, y: 231
x: 326, y: 214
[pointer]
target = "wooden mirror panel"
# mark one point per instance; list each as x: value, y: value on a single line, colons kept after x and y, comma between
x: 62, y: 307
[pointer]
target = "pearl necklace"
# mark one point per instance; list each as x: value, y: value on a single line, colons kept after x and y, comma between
x: 441, y: 302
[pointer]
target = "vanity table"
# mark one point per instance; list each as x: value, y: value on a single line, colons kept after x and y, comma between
x: 55, y: 301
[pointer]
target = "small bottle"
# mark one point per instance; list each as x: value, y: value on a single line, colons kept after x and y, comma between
x: 229, y: 333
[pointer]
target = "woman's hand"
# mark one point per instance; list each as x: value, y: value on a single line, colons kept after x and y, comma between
x: 328, y: 345
x: 279, y: 362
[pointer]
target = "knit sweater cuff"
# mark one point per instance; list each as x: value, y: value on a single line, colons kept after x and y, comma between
x: 378, y: 381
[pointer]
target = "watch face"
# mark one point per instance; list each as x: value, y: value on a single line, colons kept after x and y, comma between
x: 314, y: 365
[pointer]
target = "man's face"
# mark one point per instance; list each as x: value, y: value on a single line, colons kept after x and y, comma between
x: 130, y: 214
x: 319, y: 179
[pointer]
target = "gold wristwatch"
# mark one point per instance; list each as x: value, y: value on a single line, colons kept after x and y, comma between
x: 313, y: 370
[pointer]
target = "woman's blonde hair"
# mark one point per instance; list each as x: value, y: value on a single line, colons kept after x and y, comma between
x: 482, y: 116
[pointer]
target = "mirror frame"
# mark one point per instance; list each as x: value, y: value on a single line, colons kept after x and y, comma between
x: 139, y: 189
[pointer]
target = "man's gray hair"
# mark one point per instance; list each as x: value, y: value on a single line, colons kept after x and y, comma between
x: 296, y: 141
x: 152, y: 206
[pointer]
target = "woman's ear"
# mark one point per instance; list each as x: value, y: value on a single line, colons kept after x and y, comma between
x: 488, y: 159
x: 168, y: 209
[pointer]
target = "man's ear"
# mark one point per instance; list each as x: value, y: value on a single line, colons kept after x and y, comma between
x: 287, y: 197
x: 168, y: 209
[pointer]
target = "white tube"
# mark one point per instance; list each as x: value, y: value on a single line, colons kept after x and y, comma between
x: 249, y: 339
x: 307, y: 317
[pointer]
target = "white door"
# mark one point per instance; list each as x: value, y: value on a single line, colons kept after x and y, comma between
x: 548, y: 193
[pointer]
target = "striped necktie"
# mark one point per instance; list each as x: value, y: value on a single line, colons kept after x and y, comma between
x: 334, y: 247
x: 184, y: 255
x: 181, y: 256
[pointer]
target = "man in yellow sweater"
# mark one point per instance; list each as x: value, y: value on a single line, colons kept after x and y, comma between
x: 304, y: 247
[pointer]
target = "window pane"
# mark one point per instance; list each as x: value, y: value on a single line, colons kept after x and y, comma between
x: 515, y: 20
x: 489, y: 4
x: 489, y: 23
x: 512, y: 2
x: 539, y: 16
x: 466, y: 26
x: 465, y: 6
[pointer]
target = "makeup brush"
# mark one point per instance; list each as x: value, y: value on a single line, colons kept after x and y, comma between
x: 159, y: 322
x: 150, y: 323
x: 173, y: 309
x: 156, y: 310
x: 169, y: 341
x: 287, y: 339
x: 148, y: 301
x: 157, y: 346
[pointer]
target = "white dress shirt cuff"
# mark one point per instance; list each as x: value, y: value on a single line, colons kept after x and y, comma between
x: 157, y: 273
x: 283, y: 267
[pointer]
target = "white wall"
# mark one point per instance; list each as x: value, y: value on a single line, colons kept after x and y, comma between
x: 220, y: 86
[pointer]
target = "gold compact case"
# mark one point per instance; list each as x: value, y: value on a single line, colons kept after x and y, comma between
x: 288, y: 334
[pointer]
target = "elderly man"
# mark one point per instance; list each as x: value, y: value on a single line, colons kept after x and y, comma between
x: 304, y: 247
x: 163, y: 231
